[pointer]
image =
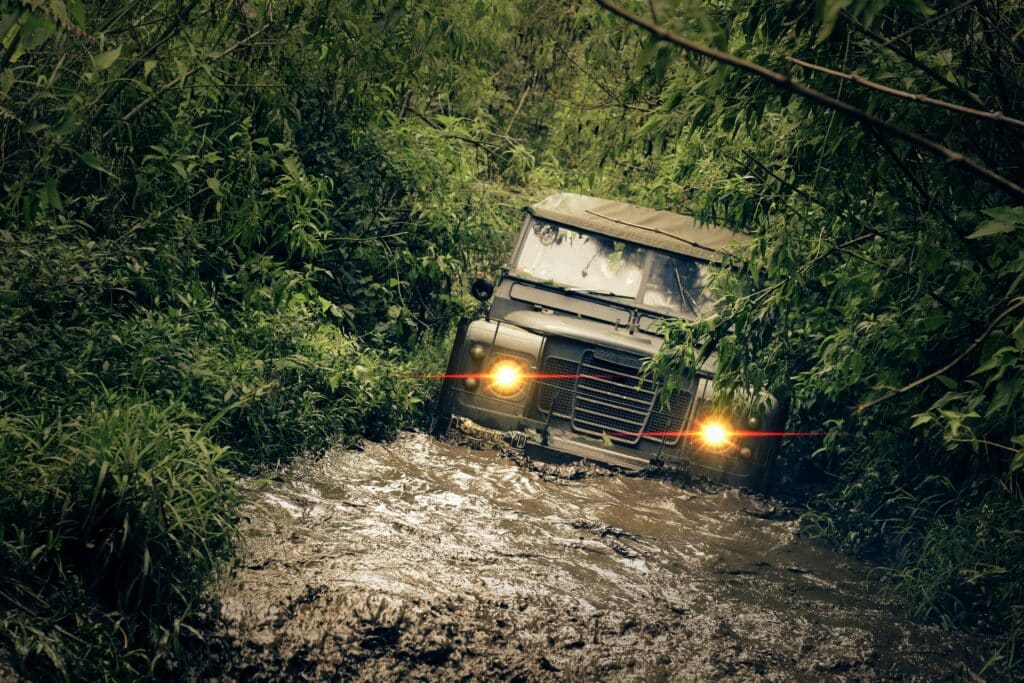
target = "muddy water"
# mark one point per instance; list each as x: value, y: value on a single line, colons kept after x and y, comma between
x: 420, y: 560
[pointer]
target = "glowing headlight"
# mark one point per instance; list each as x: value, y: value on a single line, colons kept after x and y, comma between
x: 507, y: 377
x: 715, y: 433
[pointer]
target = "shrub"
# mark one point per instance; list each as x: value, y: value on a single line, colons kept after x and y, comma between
x: 110, y: 522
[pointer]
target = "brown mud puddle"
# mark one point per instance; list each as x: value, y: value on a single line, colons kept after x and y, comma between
x: 425, y: 561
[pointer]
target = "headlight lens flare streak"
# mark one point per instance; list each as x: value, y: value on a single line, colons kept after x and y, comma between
x: 507, y: 377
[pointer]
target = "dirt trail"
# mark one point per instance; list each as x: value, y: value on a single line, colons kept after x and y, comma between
x: 421, y: 560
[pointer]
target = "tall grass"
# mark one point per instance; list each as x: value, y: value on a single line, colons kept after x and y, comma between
x: 111, y: 519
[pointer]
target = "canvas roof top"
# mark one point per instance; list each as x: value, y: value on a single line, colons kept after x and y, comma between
x: 660, y: 229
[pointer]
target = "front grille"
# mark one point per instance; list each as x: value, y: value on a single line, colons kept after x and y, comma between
x: 557, y: 392
x: 604, y: 395
x: 670, y: 419
x: 611, y: 398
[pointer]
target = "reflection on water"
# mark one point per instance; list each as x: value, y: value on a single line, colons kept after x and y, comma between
x: 420, y: 559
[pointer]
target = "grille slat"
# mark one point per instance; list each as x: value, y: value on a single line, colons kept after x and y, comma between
x: 607, y: 404
x: 617, y: 398
x: 557, y: 394
x: 598, y: 372
x: 671, y: 418
x: 615, y: 432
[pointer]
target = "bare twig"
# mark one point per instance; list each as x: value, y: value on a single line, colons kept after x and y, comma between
x: 993, y: 444
x: 928, y: 22
x: 785, y: 82
x: 948, y: 366
x: 519, y: 108
x: 997, y: 116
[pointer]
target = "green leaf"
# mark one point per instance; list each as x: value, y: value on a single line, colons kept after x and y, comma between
x: 989, y: 228
x: 649, y: 50
x: 7, y: 21
x: 1018, y: 461
x: 921, y: 419
x: 53, y: 195
x: 995, y: 360
x: 67, y: 124
x: 35, y: 31
x: 59, y: 10
x: 93, y: 162
x: 33, y: 128
x: 214, y: 186
x: 917, y: 7
x: 148, y: 66
x: 105, y: 60
x: 1004, y: 219
x: 1006, y: 214
x: 828, y: 12
x: 77, y: 11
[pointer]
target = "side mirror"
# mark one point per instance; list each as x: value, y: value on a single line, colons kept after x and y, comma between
x: 481, y: 289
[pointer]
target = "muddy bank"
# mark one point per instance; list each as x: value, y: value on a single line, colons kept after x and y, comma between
x: 427, y: 561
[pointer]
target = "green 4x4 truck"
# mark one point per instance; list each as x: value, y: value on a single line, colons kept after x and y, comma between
x: 554, y: 363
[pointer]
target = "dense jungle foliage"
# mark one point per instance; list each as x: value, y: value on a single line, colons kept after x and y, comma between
x: 226, y: 229
x: 229, y: 230
x: 882, y: 293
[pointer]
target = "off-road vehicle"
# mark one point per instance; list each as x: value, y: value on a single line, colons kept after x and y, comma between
x: 554, y: 362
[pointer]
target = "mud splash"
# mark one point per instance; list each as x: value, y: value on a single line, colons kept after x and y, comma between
x: 421, y: 560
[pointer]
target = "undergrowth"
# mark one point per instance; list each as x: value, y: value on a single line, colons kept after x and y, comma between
x: 229, y: 233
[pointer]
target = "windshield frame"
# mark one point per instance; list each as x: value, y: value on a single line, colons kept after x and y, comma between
x: 635, y: 302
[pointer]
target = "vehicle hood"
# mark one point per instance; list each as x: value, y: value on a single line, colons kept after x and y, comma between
x: 598, y: 333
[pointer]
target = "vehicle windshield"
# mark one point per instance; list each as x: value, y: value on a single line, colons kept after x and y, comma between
x: 586, y: 262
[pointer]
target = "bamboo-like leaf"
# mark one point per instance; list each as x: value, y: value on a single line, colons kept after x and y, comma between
x: 1018, y: 461
x: 989, y: 228
x: 105, y: 60
x: 93, y: 162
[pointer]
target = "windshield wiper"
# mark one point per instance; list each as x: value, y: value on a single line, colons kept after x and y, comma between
x: 685, y: 295
x: 601, y: 292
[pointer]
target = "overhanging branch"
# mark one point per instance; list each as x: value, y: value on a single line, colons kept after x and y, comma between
x: 996, y: 116
x: 786, y: 83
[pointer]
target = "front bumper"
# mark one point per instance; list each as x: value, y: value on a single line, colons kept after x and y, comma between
x: 557, y: 447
